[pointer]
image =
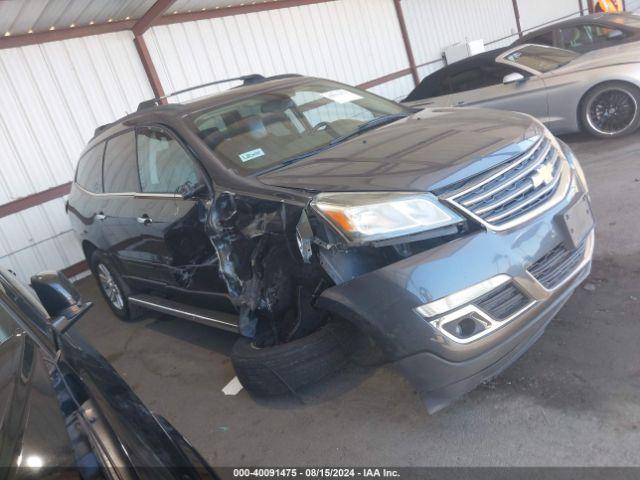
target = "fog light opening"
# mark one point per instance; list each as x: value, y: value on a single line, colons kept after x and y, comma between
x: 466, y: 327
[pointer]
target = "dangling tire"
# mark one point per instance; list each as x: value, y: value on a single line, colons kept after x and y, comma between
x: 288, y: 367
x: 611, y: 110
x: 114, y: 290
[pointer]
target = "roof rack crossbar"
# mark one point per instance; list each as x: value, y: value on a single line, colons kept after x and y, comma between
x: 246, y: 79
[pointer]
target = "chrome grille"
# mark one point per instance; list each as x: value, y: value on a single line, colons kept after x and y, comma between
x: 558, y: 264
x: 503, y: 302
x: 503, y: 198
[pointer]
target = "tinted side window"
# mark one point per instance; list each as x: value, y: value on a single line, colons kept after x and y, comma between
x: 89, y: 173
x: 7, y: 325
x: 543, y: 39
x: 585, y: 35
x: 120, y: 174
x: 163, y: 164
x: 468, y: 80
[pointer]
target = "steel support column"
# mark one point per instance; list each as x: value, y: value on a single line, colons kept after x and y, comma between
x: 407, y: 42
x: 516, y: 12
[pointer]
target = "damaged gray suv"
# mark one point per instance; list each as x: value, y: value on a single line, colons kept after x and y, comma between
x: 307, y: 215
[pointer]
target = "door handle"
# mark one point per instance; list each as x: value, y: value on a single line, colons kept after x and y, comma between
x: 144, y: 219
x: 460, y: 102
x: 100, y: 216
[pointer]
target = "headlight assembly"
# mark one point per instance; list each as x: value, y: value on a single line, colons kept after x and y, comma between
x: 370, y: 217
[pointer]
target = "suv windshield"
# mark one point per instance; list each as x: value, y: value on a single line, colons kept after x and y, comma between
x: 541, y: 59
x: 283, y: 125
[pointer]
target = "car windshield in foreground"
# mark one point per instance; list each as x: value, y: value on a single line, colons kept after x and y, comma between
x: 284, y: 125
x: 541, y: 59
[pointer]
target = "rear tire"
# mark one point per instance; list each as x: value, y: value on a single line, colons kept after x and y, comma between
x: 611, y: 110
x: 114, y: 290
x: 285, y: 368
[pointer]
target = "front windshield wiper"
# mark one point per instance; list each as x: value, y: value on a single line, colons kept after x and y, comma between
x: 370, y: 125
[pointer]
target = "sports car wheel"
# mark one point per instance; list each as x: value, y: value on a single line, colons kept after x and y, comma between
x: 611, y: 110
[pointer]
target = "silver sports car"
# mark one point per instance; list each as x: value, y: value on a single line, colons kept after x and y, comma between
x: 598, y: 92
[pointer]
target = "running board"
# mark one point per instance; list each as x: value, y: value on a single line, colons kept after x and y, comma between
x: 224, y: 321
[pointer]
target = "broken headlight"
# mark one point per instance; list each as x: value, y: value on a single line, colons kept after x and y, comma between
x: 370, y: 217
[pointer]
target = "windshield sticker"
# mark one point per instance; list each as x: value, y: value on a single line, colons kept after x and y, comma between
x: 252, y: 155
x: 342, y: 96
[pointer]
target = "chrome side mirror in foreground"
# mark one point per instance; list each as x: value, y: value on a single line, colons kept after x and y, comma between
x: 60, y: 299
x: 514, y: 77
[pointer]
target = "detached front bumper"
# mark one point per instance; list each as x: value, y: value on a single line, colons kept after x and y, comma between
x: 536, y: 271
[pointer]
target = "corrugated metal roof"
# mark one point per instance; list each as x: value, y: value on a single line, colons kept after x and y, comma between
x: 21, y: 16
x: 25, y: 16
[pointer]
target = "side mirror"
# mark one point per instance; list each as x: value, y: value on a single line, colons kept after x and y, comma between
x: 194, y: 191
x: 514, y: 77
x: 60, y: 299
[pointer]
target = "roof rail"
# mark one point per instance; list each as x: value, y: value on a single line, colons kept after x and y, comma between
x: 246, y: 79
x: 101, y: 129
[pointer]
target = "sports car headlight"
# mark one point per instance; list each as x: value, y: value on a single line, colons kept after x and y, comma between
x: 362, y: 217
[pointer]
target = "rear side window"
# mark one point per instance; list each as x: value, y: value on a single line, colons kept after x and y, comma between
x: 543, y: 39
x: 164, y: 166
x: 586, y: 35
x: 120, y: 171
x: 7, y: 326
x: 89, y: 173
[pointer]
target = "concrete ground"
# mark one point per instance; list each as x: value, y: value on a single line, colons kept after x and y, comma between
x: 573, y: 399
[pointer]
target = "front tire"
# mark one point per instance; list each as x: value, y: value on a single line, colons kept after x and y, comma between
x: 290, y: 366
x: 611, y: 110
x: 114, y: 290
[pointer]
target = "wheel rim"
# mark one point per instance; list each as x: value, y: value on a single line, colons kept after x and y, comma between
x: 110, y: 287
x: 612, y: 111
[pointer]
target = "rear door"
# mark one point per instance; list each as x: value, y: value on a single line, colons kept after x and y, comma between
x: 482, y: 86
x: 119, y: 208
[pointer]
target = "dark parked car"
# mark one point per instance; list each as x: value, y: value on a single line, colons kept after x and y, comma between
x: 306, y: 214
x: 586, y: 33
x: 64, y: 411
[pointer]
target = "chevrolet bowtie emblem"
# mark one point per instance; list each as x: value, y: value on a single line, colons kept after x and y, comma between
x: 543, y: 175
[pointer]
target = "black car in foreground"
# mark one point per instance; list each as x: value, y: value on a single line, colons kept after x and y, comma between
x: 308, y: 215
x: 586, y: 33
x: 64, y: 411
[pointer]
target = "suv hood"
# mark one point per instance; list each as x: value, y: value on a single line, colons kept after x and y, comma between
x: 422, y: 152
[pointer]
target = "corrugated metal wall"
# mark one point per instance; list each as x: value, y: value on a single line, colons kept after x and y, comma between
x: 53, y: 96
x: 531, y: 15
x: 353, y: 41
x: 633, y: 5
x: 431, y: 31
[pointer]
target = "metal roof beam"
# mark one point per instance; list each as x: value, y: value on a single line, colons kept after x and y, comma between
x: 233, y: 10
x: 14, y: 41
x: 148, y: 19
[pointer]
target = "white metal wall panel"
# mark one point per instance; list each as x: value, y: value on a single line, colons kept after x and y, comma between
x: 534, y: 14
x: 633, y: 5
x: 434, y: 25
x: 353, y: 41
x: 53, y: 97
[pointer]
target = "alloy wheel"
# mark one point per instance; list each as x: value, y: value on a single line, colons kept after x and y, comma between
x: 110, y: 287
x: 611, y: 112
